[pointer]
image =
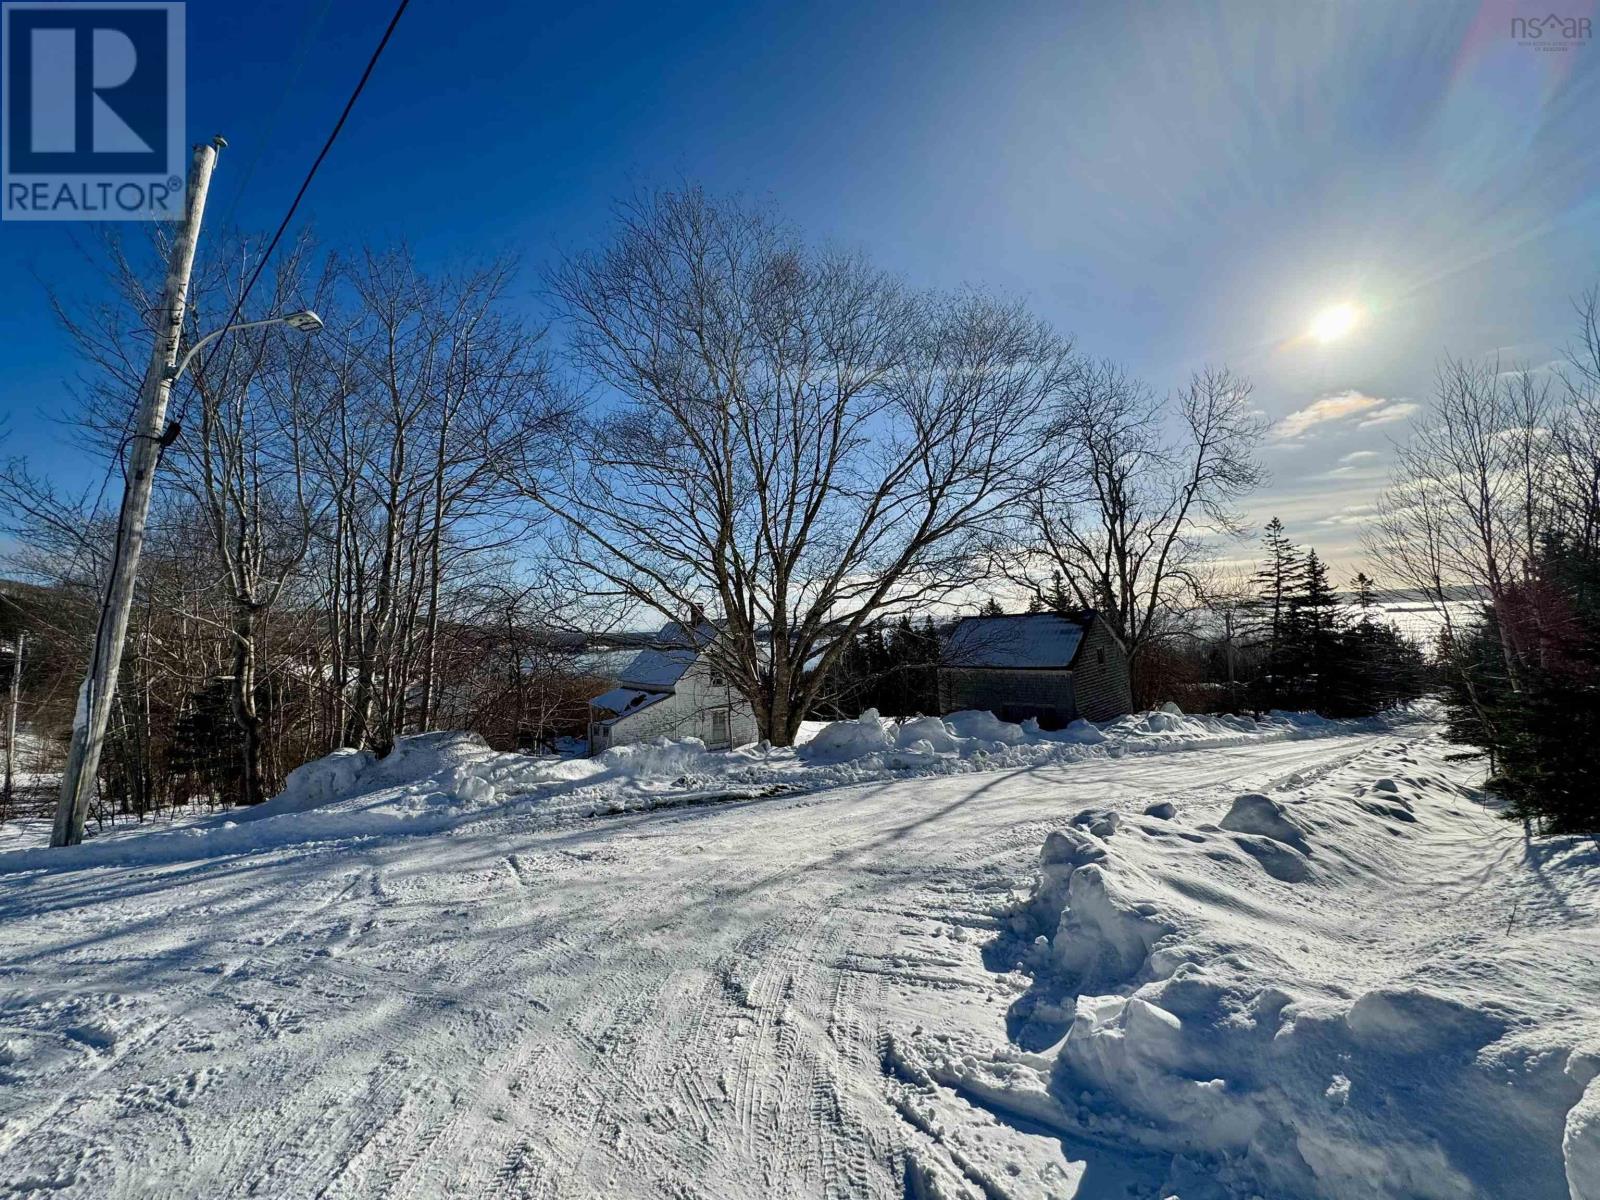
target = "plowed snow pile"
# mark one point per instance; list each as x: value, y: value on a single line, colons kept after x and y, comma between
x: 434, y: 782
x: 1374, y: 989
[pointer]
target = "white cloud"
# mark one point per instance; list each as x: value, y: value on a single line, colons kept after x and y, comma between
x: 1553, y: 365
x: 1340, y: 406
x: 1352, y: 514
x: 1362, y: 463
x: 1398, y: 411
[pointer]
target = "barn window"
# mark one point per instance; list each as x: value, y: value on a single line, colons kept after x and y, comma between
x: 1100, y: 656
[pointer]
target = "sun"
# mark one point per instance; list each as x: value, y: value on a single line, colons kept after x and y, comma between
x: 1333, y: 323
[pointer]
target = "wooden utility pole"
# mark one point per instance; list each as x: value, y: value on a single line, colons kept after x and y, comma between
x: 11, y: 715
x: 144, y: 450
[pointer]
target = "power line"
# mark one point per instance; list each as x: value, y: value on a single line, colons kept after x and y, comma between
x: 308, y: 33
x: 306, y: 183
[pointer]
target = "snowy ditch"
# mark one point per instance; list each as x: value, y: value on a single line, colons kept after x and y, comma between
x: 434, y: 782
x: 1318, y: 996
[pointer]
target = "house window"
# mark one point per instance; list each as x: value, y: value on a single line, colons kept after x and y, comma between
x: 1100, y: 657
x: 719, y: 726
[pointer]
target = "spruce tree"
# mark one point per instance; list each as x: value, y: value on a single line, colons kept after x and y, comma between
x: 1541, y: 738
x: 1277, y: 582
x: 1057, y: 599
x: 1315, y: 650
x: 1365, y: 595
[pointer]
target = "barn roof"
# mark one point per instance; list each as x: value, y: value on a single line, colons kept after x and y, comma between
x: 1023, y: 641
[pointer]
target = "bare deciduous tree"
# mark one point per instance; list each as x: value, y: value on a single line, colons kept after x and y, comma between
x: 1134, y: 483
x: 795, y: 442
x: 1575, y: 433
x: 432, y: 385
x: 1470, y: 490
x: 319, y: 526
x: 242, y: 464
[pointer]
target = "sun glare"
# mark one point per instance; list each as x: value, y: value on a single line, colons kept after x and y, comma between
x: 1331, y: 324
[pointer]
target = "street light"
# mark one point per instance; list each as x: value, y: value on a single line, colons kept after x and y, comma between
x: 304, y: 321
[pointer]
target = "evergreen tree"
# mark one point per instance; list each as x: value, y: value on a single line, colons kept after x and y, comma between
x: 1056, y: 597
x: 1375, y: 666
x: 1379, y: 668
x: 1365, y: 595
x: 897, y: 690
x: 893, y: 670
x: 1312, y: 655
x: 1279, y: 577
x: 1540, y: 739
x: 1277, y: 583
x: 1318, y: 653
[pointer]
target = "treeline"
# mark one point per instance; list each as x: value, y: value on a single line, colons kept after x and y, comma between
x: 1306, y: 647
x: 329, y: 558
x: 1285, y: 637
x: 1499, y: 490
x: 890, y: 666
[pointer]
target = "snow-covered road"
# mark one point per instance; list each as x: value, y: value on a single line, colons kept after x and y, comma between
x: 685, y: 1002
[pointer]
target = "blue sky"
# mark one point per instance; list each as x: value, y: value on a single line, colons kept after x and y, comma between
x: 1173, y: 184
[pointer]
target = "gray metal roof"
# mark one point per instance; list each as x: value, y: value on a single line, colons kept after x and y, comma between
x: 1027, y: 641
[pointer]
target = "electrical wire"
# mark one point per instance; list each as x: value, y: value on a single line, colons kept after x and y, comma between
x: 306, y: 183
x: 291, y: 80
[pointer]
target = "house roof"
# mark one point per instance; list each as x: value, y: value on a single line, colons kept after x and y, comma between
x: 1024, y: 641
x: 658, y: 668
x: 624, y: 702
x: 618, y: 700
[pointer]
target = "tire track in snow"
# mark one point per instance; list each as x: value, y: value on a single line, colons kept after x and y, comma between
x: 698, y: 1009
x: 125, y: 1049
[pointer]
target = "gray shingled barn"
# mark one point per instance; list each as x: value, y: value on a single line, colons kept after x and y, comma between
x: 1053, y: 668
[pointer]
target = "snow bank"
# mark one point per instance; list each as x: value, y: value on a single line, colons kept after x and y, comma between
x: 321, y: 780
x: 1580, y: 1142
x: 974, y: 735
x: 1314, y: 1030
x: 432, y: 782
x: 661, y: 758
x: 845, y: 741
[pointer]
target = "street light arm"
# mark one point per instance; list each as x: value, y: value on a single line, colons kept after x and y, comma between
x: 305, y: 321
x: 183, y: 363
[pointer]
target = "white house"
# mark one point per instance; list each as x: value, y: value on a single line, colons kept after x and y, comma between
x: 670, y: 689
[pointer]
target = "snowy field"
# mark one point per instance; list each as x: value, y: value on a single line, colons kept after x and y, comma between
x: 901, y: 960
